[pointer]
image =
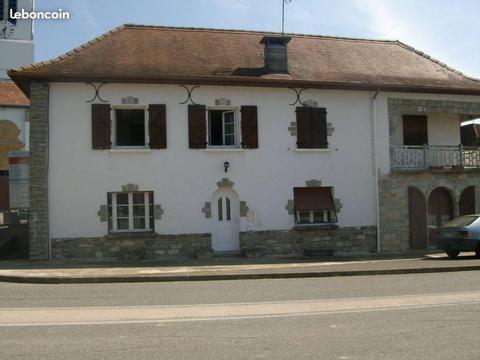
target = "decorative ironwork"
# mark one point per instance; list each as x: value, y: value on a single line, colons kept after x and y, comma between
x: 436, y: 157
x: 189, y: 94
x: 97, y: 94
x: 298, y: 92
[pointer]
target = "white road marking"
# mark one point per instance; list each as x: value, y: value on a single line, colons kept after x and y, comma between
x: 230, y: 311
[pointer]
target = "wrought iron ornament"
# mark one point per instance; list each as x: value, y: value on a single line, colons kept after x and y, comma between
x: 189, y: 94
x: 298, y: 92
x: 97, y: 94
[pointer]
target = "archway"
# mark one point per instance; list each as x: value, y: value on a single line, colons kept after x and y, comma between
x: 466, y: 203
x: 417, y: 213
x: 440, y: 210
x: 225, y: 220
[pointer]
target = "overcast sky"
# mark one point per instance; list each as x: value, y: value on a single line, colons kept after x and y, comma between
x: 448, y: 30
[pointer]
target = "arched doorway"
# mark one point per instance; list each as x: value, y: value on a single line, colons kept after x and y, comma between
x: 417, y: 206
x: 225, y: 220
x: 466, y: 203
x: 440, y: 211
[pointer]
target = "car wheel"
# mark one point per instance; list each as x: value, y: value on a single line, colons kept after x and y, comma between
x: 452, y: 254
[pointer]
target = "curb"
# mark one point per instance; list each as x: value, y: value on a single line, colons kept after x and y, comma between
x: 219, y: 277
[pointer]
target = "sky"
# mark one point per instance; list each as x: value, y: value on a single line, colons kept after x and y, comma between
x: 447, y: 30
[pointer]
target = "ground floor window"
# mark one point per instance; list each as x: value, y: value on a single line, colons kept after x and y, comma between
x: 314, y: 205
x: 130, y: 211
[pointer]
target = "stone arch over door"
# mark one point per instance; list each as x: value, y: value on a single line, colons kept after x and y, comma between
x: 440, y: 211
x: 417, y: 212
x: 466, y: 204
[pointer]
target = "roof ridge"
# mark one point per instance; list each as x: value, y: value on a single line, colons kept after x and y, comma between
x: 70, y: 52
x: 244, y: 31
x: 436, y: 61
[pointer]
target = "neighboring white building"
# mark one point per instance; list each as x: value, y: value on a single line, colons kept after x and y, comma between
x: 16, y: 49
x: 153, y: 141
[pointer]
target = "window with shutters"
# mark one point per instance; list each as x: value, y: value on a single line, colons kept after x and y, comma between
x: 311, y: 128
x: 130, y: 127
x: 130, y: 211
x: 314, y: 206
x: 222, y: 128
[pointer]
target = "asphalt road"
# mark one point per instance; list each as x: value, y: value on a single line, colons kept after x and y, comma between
x: 423, y: 316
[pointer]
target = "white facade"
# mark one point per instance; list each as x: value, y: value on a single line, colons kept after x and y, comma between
x: 183, y: 179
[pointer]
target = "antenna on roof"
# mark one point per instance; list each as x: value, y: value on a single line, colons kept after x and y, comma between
x: 283, y: 14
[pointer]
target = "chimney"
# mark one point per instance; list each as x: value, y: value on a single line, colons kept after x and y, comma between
x: 275, y: 54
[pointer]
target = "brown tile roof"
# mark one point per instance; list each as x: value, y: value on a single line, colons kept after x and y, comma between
x: 11, y: 95
x: 134, y: 53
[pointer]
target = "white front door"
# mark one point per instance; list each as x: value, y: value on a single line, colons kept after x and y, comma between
x: 226, y: 221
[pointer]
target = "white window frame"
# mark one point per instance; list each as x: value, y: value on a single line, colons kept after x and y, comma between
x: 236, y: 126
x: 333, y: 215
x: 148, y: 227
x: 114, y: 125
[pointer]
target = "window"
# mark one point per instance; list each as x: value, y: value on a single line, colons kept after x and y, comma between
x: 130, y: 129
x: 222, y: 128
x: 415, y: 130
x: 314, y: 205
x: 311, y: 128
x: 130, y: 211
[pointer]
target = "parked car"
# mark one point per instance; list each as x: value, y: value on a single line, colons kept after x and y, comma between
x: 460, y: 234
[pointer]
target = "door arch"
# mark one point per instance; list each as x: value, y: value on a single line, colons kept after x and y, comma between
x: 417, y: 212
x: 466, y: 203
x: 225, y: 220
x: 440, y: 210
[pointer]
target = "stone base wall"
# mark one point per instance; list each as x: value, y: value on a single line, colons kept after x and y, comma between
x: 153, y: 246
x: 394, y: 212
x: 294, y: 242
x: 140, y: 247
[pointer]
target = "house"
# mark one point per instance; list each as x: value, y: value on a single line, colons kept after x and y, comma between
x: 16, y: 49
x: 151, y: 141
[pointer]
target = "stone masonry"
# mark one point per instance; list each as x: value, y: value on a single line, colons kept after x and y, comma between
x: 38, y: 188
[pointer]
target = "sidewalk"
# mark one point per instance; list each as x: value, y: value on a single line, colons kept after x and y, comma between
x: 233, y: 268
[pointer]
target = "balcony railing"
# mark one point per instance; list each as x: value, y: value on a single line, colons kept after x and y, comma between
x: 436, y: 157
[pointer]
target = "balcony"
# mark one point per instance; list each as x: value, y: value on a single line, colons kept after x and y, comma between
x: 429, y: 157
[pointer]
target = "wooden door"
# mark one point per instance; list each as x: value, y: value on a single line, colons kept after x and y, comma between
x: 418, y: 219
x: 467, y: 201
x: 440, y: 211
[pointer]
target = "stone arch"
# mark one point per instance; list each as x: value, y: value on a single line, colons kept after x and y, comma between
x: 466, y: 202
x: 440, y: 206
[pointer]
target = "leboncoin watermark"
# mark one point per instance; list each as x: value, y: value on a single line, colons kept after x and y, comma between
x: 40, y: 15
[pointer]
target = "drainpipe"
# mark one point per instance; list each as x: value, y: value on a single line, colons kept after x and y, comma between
x: 375, y: 164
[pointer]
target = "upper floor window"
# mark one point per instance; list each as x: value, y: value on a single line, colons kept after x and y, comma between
x: 314, y: 205
x: 415, y: 130
x: 130, y: 127
x: 5, y: 7
x: 311, y: 128
x: 222, y: 128
x: 130, y: 211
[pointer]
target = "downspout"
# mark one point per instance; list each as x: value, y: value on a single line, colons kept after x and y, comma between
x: 375, y: 164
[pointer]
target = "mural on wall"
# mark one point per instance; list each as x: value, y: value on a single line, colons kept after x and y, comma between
x: 9, y: 134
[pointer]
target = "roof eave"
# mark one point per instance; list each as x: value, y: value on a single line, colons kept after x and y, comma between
x: 23, y: 78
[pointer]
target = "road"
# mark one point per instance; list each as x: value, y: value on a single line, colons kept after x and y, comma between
x: 422, y: 316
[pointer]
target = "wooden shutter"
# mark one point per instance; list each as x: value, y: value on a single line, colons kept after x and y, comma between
x: 311, y: 128
x: 157, y: 126
x: 415, y: 130
x: 249, y: 126
x: 313, y: 198
x: 101, y: 126
x: 197, y: 130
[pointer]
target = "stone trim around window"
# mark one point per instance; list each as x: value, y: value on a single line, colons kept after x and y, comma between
x: 225, y: 182
x: 207, y: 209
x: 130, y: 188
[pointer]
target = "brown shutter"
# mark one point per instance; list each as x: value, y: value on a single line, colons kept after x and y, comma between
x: 101, y: 126
x: 415, y: 130
x: 197, y: 130
x: 249, y: 126
x: 157, y: 126
x: 319, y: 128
x: 304, y: 116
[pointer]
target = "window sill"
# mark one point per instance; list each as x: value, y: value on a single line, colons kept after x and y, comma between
x: 320, y: 150
x: 224, y: 149
x: 130, y: 234
x: 130, y: 150
x: 315, y: 227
